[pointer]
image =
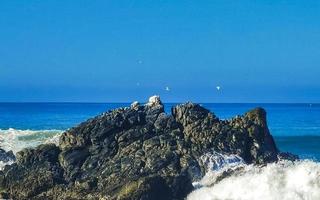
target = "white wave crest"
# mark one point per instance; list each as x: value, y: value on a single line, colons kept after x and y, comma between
x: 16, y: 140
x: 285, y: 180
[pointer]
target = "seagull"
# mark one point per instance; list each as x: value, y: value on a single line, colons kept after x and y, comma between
x: 218, y: 88
x: 167, y: 88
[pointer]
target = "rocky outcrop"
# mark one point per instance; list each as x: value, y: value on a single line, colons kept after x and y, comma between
x: 139, y: 152
x: 6, y: 156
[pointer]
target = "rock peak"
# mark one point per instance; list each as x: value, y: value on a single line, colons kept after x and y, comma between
x: 135, y: 105
x: 154, y: 101
x: 257, y: 113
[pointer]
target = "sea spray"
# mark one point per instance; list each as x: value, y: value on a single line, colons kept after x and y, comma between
x: 217, y: 164
x: 15, y: 140
x: 285, y: 180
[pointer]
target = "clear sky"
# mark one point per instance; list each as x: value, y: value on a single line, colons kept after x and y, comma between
x: 120, y: 51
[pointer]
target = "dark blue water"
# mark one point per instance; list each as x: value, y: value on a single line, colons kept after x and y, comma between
x: 296, y: 127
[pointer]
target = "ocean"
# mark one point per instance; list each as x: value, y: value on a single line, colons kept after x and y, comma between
x: 295, y: 127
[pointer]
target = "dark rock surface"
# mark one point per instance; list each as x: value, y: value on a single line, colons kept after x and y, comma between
x: 6, y: 156
x: 136, y: 153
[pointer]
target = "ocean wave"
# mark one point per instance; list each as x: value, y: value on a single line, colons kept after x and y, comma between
x: 16, y: 140
x: 285, y: 180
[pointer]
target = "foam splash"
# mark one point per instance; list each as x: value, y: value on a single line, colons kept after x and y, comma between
x: 16, y: 140
x: 3, y: 164
x: 285, y: 180
x: 217, y: 165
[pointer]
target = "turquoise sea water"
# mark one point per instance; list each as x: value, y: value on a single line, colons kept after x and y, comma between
x: 296, y: 127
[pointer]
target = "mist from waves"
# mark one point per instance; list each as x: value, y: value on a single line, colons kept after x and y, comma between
x: 284, y: 180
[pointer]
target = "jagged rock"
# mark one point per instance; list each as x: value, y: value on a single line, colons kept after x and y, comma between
x: 154, y: 101
x: 6, y: 156
x: 136, y: 153
x: 135, y: 105
x: 36, y: 171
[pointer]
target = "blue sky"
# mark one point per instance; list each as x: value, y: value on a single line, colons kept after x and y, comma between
x: 120, y: 51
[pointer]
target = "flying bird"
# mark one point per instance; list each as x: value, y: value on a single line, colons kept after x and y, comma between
x: 218, y: 88
x: 167, y: 88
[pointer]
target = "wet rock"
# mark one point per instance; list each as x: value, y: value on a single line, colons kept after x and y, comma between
x: 139, y: 152
x: 6, y: 156
x: 287, y: 156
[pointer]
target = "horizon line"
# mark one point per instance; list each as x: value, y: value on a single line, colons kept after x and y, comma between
x: 98, y: 102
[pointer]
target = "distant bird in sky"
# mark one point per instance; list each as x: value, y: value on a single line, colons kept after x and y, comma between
x: 218, y: 88
x: 167, y: 88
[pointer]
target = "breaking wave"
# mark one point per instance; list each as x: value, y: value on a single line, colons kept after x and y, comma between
x: 15, y: 140
x: 231, y: 179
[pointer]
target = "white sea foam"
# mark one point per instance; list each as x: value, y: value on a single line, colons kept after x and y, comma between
x: 2, y: 164
x: 285, y: 180
x: 16, y: 140
x: 217, y: 164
